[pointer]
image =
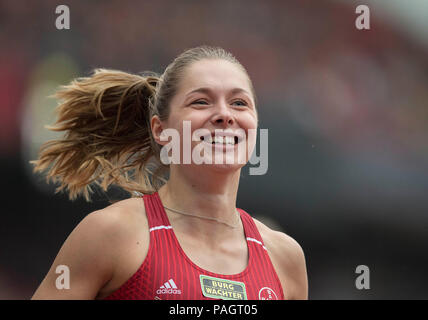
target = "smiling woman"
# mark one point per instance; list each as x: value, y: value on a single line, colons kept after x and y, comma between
x: 201, y: 246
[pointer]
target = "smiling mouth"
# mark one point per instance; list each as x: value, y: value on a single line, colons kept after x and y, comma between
x: 221, y: 140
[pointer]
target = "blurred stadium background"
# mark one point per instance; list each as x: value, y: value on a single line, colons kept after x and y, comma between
x: 347, y: 113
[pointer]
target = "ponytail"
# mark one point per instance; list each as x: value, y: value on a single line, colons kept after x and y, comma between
x: 107, y: 140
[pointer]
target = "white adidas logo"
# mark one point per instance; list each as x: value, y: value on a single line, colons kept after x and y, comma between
x: 169, y: 287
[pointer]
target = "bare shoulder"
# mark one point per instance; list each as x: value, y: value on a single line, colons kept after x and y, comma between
x: 280, y: 242
x: 122, y: 208
x: 116, y: 220
x: 120, y: 214
x: 288, y: 258
x: 119, y: 223
x: 124, y: 228
x: 94, y: 249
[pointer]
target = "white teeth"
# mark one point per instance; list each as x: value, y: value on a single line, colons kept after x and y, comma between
x: 219, y: 139
x: 222, y: 140
x: 230, y: 140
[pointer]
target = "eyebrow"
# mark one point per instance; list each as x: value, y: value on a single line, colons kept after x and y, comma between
x: 209, y: 90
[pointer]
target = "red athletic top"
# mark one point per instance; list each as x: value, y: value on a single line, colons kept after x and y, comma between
x: 168, y: 274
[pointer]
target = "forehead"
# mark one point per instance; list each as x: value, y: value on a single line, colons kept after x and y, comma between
x: 216, y: 74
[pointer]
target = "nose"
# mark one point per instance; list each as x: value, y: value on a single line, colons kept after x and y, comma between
x: 223, y: 116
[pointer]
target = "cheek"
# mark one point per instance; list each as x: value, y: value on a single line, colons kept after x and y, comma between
x: 185, y: 125
x: 196, y: 117
x: 178, y: 121
x: 248, y: 121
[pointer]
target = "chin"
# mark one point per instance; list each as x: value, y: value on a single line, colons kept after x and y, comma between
x: 221, y: 168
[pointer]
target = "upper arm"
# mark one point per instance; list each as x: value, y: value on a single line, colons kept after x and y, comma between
x: 288, y: 259
x: 88, y: 256
x: 292, y: 266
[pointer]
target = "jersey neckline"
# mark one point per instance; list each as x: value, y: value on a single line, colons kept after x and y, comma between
x: 193, y: 264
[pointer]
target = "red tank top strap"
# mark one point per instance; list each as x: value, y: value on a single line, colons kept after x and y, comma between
x: 251, y: 231
x: 263, y: 260
x: 154, y: 211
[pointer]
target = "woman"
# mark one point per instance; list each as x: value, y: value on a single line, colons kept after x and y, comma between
x: 185, y: 238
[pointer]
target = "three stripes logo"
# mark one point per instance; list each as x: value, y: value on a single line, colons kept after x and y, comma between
x: 169, y: 287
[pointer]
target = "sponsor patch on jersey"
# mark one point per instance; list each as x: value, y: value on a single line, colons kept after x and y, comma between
x: 267, y: 293
x: 218, y: 288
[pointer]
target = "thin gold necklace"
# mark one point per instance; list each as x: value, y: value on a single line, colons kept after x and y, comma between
x: 208, y: 218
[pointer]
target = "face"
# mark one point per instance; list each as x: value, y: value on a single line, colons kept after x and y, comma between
x: 215, y: 105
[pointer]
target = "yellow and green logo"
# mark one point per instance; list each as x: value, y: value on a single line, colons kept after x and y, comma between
x: 222, y: 289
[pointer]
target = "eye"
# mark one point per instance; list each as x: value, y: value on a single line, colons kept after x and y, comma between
x: 240, y: 103
x: 200, y: 102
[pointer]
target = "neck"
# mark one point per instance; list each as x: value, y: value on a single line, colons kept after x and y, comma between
x: 206, y: 193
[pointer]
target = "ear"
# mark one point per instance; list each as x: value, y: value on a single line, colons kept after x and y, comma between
x: 157, y: 128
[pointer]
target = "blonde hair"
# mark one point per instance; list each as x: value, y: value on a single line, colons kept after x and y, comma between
x: 106, y: 123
